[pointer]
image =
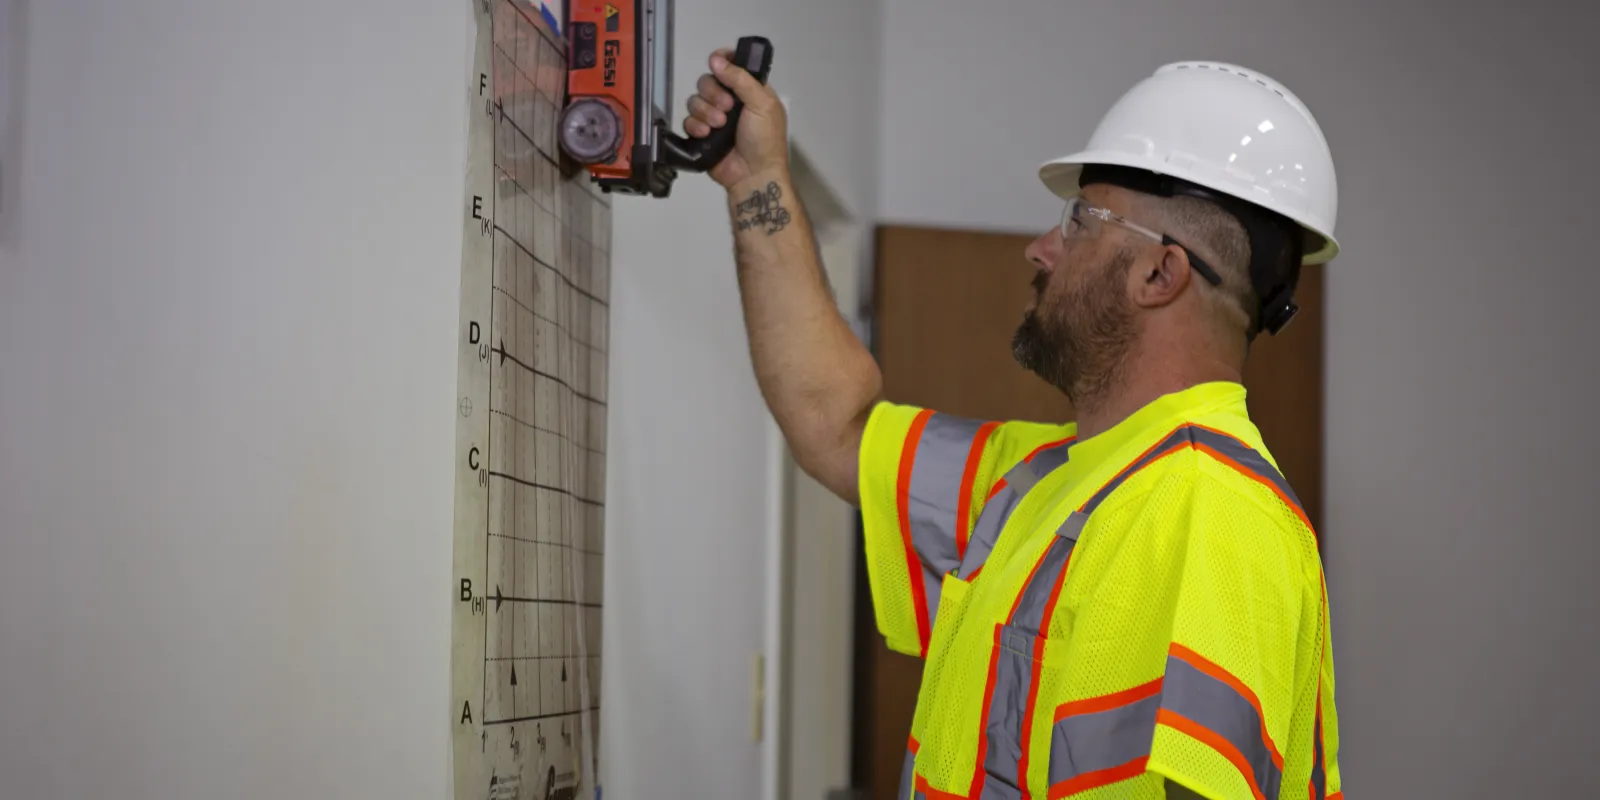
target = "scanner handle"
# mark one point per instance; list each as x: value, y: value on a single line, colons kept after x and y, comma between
x: 754, y: 55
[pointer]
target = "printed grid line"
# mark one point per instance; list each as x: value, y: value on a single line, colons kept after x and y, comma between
x: 529, y: 150
x: 511, y: 296
x: 541, y: 373
x: 558, y: 434
x: 571, y: 459
x: 526, y: 658
x: 575, y: 218
x: 564, y: 278
x: 526, y: 540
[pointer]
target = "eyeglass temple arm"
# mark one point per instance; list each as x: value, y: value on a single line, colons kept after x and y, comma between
x: 1197, y: 262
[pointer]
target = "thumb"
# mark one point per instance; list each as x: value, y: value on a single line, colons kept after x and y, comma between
x: 739, y: 81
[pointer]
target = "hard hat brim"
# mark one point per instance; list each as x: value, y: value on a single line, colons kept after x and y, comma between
x: 1060, y: 176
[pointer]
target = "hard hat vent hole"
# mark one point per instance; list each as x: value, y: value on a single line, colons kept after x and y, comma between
x: 1231, y: 71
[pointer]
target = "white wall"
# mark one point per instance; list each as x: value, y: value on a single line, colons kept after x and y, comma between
x: 225, y: 475
x: 226, y: 440
x: 1460, y: 450
x: 690, y: 488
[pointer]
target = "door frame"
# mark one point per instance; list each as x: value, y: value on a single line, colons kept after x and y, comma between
x: 800, y: 516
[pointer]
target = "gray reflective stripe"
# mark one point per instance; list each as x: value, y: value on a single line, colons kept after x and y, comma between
x: 1022, y: 477
x: 1250, y: 460
x: 935, y: 492
x: 1072, y: 528
x: 1030, y: 611
x: 1085, y: 743
x: 1189, y: 435
x: 987, y: 529
x: 1047, y: 460
x: 992, y: 519
x: 907, y: 771
x: 1014, y: 661
x: 1219, y: 708
x: 1108, y: 738
x: 1013, y: 674
x: 997, y: 789
x: 1178, y: 438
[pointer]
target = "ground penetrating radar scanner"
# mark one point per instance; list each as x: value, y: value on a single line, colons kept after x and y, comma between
x: 619, y: 97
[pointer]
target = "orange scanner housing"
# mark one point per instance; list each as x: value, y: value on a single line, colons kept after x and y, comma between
x: 603, y: 58
x: 619, y: 95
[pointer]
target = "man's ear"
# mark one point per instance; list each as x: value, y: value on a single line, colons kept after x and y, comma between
x: 1162, y: 279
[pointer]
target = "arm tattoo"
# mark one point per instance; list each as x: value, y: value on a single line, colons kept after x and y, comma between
x: 763, y: 208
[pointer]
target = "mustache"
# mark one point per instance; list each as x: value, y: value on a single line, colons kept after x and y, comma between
x: 1040, y: 280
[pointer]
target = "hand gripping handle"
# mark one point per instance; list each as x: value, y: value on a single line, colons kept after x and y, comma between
x: 754, y: 55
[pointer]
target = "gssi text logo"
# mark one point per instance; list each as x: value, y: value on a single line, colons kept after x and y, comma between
x: 613, y: 49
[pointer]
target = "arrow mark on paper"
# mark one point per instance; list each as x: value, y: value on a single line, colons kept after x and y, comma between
x: 502, y: 597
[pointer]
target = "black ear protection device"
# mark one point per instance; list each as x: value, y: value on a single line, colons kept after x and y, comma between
x: 1276, y: 245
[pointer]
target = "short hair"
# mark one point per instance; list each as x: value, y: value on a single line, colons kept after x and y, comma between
x: 1220, y: 238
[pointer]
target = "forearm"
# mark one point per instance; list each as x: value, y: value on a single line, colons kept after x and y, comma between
x: 817, y: 378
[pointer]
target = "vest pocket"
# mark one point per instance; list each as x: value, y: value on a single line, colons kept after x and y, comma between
x: 943, y: 687
x: 952, y: 609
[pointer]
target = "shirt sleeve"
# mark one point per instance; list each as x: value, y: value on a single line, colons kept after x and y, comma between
x: 1238, y: 694
x: 925, y: 480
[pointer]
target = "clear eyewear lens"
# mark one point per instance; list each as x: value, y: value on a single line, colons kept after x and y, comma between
x: 1076, y: 221
x: 1081, y: 220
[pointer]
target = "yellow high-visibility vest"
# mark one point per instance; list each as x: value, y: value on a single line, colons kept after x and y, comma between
x: 1100, y: 617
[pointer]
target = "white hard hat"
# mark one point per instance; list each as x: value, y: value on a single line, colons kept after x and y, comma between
x: 1226, y: 129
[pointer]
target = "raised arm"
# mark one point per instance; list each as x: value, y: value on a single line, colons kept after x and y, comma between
x: 819, y: 381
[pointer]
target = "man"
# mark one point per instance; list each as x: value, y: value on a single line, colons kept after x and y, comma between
x: 1131, y: 605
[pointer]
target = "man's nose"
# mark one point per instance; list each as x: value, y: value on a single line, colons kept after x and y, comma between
x: 1043, y: 251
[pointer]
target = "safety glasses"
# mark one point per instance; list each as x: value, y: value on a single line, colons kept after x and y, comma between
x: 1079, y: 220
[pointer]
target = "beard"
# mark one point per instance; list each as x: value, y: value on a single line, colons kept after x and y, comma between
x: 1080, y: 345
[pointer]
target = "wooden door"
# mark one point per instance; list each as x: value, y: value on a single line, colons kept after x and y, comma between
x: 947, y: 302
